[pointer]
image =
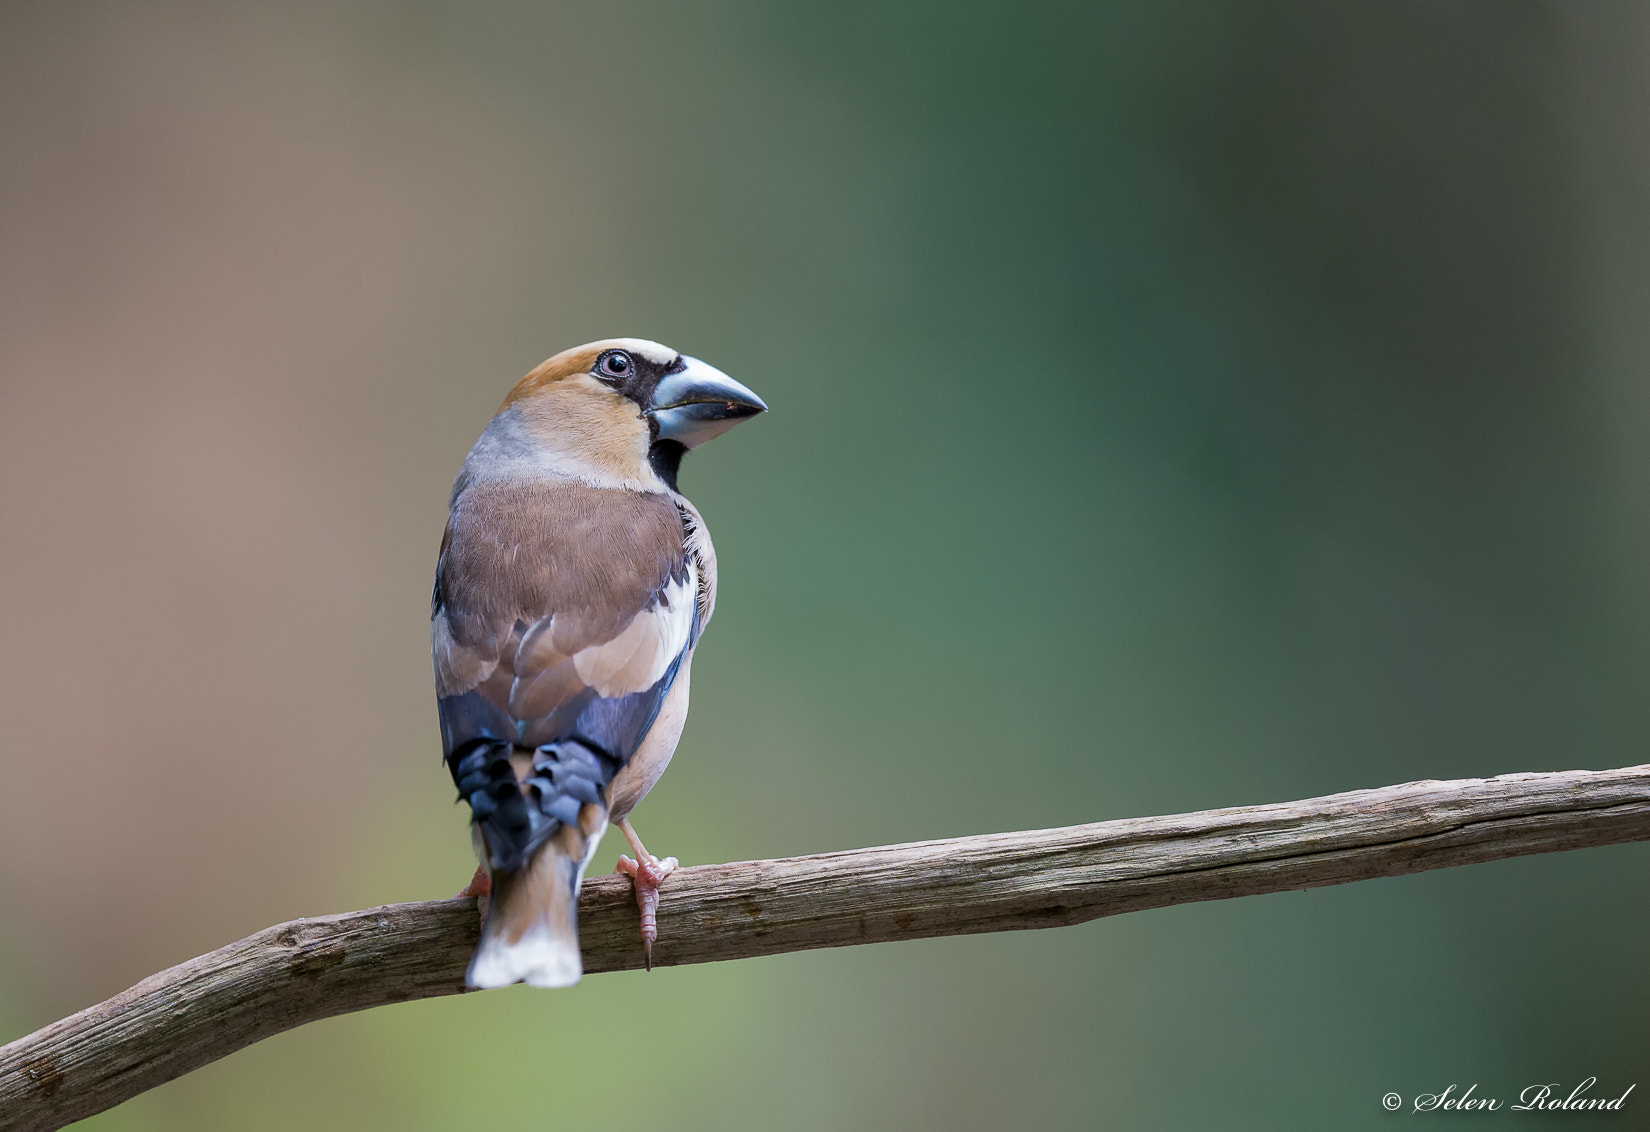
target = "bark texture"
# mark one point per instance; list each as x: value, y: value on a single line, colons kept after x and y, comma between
x: 289, y: 974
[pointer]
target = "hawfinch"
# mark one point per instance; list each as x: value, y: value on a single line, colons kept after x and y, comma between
x: 573, y: 584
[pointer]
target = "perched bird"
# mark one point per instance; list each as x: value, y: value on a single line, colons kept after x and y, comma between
x: 573, y: 583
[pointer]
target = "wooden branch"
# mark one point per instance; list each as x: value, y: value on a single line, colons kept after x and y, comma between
x: 284, y: 976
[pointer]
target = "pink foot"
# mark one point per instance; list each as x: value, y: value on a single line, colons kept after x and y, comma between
x: 646, y: 876
x: 480, y: 887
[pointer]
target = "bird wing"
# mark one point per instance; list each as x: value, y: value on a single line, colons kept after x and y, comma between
x: 560, y: 618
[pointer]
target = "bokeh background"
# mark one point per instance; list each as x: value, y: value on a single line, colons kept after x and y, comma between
x: 1174, y: 406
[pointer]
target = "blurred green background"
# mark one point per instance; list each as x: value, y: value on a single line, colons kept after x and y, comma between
x: 1174, y: 406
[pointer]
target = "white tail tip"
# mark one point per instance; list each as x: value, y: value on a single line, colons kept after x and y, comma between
x: 537, y: 959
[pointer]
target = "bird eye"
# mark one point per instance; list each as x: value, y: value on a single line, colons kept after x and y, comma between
x: 617, y: 363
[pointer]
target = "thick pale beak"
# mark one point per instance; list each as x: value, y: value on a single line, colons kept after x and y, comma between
x: 701, y: 402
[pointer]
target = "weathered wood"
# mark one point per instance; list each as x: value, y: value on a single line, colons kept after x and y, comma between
x: 284, y: 976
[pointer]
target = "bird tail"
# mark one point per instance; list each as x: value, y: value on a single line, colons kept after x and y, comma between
x: 532, y: 931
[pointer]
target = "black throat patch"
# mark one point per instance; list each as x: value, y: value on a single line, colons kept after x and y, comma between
x: 665, y: 457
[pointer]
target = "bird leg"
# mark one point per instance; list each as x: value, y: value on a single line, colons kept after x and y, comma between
x: 646, y: 873
x: 480, y: 887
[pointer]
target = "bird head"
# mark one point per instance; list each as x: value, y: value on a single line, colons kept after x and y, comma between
x: 623, y: 411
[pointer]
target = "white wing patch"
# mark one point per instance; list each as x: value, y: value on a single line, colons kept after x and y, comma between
x: 634, y: 660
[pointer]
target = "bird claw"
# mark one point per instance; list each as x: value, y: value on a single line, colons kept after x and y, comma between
x: 480, y: 887
x: 650, y: 871
x: 646, y: 874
